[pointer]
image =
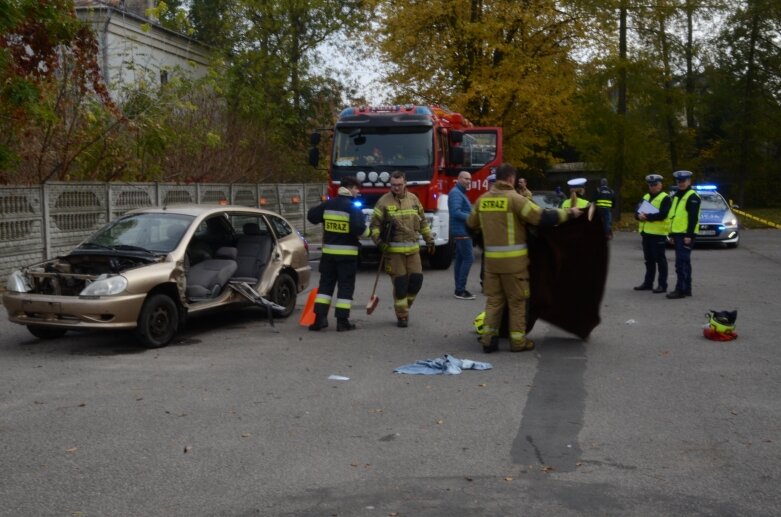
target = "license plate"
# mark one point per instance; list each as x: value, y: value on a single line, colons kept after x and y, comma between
x: 707, y: 232
x: 40, y: 307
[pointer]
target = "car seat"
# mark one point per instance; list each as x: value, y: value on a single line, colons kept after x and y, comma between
x: 254, y: 249
x: 206, y: 279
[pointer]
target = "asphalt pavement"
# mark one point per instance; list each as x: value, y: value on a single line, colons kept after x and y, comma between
x: 236, y: 418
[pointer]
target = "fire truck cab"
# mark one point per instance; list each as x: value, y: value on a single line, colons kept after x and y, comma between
x: 430, y: 144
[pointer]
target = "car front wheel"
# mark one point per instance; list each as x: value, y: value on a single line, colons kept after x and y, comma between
x: 284, y: 293
x: 42, y: 332
x: 158, y: 322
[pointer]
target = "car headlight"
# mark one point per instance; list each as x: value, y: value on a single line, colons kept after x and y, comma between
x: 105, y: 286
x: 730, y: 221
x: 17, y: 283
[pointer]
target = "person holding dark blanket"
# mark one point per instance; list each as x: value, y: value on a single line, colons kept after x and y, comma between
x: 343, y: 223
x: 501, y: 216
x: 568, y: 269
x: 654, y: 216
x: 685, y: 214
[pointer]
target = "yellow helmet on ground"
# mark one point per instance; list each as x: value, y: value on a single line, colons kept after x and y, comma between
x: 722, y: 321
x: 480, y: 323
x: 721, y: 325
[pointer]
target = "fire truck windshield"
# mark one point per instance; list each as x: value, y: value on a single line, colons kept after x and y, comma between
x: 405, y: 148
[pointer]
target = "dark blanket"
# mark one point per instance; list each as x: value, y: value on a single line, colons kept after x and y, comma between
x: 568, y: 270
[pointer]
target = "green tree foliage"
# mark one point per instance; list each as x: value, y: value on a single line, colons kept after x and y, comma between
x: 50, y: 90
x: 742, y: 130
x: 270, y: 51
x: 500, y: 62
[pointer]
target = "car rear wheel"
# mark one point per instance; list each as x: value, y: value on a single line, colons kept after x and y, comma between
x: 158, y: 321
x: 42, y: 332
x: 284, y: 293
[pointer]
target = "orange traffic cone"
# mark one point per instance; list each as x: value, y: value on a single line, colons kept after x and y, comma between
x: 308, y: 314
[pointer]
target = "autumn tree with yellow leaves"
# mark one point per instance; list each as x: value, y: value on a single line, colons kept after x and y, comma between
x: 500, y: 62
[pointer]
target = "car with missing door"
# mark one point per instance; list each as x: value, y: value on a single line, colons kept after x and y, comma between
x: 150, y: 269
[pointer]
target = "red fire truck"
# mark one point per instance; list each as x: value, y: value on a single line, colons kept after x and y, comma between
x: 430, y: 144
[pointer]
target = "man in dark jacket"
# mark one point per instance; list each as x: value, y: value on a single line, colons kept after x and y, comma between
x: 343, y: 223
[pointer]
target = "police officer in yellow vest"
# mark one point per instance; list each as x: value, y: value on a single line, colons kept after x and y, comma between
x: 685, y: 224
x: 403, y: 214
x: 578, y: 187
x: 501, y: 215
x: 653, y: 212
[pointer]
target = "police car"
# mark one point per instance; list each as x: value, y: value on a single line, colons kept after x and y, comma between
x: 718, y: 223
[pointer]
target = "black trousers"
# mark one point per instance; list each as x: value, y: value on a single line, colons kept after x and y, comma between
x: 655, y: 259
x: 336, y: 271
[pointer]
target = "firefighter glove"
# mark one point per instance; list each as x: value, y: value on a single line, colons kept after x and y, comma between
x: 431, y: 248
x: 383, y: 246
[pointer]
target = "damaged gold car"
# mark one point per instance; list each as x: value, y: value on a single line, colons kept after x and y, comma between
x: 152, y: 268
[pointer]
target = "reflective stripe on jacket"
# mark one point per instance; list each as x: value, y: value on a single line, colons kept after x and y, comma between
x: 604, y: 198
x: 581, y: 203
x: 681, y: 222
x: 406, y: 214
x: 501, y: 214
x: 343, y: 223
x: 661, y: 227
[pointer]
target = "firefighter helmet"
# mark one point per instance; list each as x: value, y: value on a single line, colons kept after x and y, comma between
x: 480, y: 323
x: 721, y: 325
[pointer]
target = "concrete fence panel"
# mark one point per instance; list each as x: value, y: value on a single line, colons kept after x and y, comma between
x: 41, y: 222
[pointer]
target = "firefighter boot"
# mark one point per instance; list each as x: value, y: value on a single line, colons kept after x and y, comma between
x: 343, y: 324
x: 522, y: 346
x: 492, y: 346
x: 321, y: 322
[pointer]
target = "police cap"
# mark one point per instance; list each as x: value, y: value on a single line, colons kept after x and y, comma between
x: 682, y: 175
x: 653, y: 178
x: 577, y: 182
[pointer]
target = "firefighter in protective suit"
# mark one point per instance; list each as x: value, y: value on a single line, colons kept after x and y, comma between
x: 397, y: 220
x: 501, y: 215
x: 343, y: 223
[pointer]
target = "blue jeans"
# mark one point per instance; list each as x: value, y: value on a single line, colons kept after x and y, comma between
x: 683, y: 264
x: 463, y: 263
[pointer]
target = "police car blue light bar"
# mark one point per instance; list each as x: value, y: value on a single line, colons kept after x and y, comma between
x: 705, y: 187
x: 357, y: 203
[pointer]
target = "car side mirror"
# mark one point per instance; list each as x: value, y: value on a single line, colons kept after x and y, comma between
x: 314, y: 139
x: 456, y: 137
